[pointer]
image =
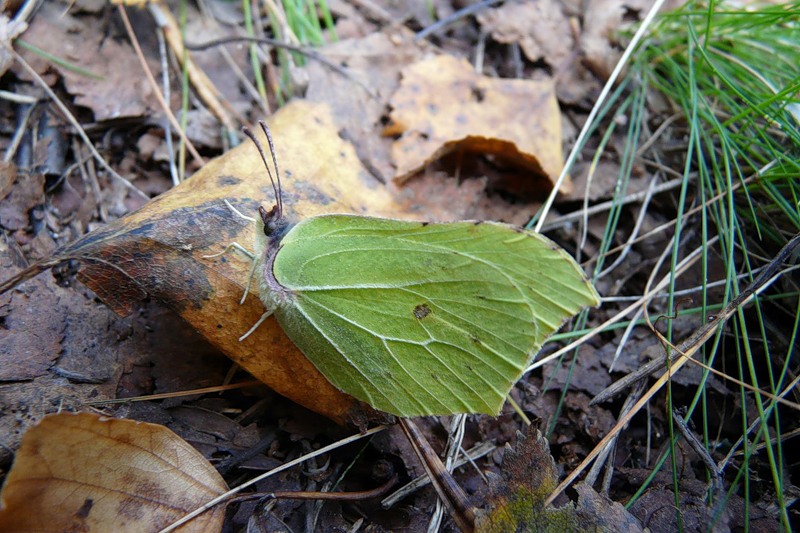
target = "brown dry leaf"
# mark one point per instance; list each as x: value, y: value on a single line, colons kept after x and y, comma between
x: 544, y: 31
x: 443, y: 106
x: 161, y: 250
x: 540, y: 28
x: 83, y: 44
x: 26, y: 193
x: 603, y: 514
x: 83, y: 472
x: 8, y: 174
x: 603, y: 21
x: 59, y: 348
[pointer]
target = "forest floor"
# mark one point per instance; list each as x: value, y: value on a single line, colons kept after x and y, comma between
x: 466, y: 120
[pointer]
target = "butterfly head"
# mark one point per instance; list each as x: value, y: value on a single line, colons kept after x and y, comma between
x: 275, y: 225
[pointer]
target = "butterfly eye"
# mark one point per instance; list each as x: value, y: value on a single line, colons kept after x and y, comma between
x: 269, y: 219
x: 275, y: 226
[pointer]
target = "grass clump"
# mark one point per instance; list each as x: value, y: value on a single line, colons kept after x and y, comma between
x: 719, y: 85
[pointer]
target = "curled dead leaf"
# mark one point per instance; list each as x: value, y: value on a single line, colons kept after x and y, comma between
x: 443, y: 106
x: 83, y: 472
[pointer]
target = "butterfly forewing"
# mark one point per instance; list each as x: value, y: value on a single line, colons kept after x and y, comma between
x: 417, y: 319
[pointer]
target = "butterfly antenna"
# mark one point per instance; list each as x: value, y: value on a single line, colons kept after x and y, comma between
x: 276, y: 186
x: 279, y: 192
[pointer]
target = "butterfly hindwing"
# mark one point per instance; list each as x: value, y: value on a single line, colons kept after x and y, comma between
x: 422, y: 318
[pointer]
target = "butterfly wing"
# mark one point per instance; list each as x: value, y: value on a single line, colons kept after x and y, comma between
x: 422, y: 318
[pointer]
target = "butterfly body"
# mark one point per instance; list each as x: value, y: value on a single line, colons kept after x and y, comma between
x: 418, y: 318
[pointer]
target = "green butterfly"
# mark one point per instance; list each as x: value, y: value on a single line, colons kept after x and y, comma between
x: 415, y: 318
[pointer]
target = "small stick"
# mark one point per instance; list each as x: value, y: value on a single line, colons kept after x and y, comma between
x: 29, y: 272
x: 353, y: 496
x: 451, y: 494
x: 311, y: 54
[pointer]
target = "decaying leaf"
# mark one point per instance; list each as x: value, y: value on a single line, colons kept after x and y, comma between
x: 443, y: 107
x: 516, y: 500
x: 31, y: 340
x: 83, y: 472
x: 602, y: 514
x: 8, y: 173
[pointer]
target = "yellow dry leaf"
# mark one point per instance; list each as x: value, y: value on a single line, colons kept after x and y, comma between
x: 443, y: 106
x: 163, y: 250
x: 83, y: 472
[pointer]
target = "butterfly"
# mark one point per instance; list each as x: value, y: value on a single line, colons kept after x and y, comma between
x: 414, y: 318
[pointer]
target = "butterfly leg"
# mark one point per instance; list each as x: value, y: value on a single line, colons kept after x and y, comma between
x: 232, y: 246
x: 237, y: 212
x: 249, y: 281
x: 255, y: 326
x: 250, y: 255
x: 236, y: 246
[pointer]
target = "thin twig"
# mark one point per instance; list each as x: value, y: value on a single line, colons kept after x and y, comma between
x: 351, y: 496
x: 154, y: 85
x: 309, y: 53
x: 257, y: 479
x: 75, y: 124
x: 178, y: 394
x: 455, y: 436
x: 476, y: 452
x: 453, y: 496
x: 685, y: 264
x: 700, y: 450
x: 27, y: 273
x: 717, y: 482
x: 594, y: 472
x: 457, y: 15
x: 628, y: 245
x: 89, y: 176
x: 162, y: 52
x: 19, y: 133
x: 205, y: 88
x: 575, y: 216
x: 266, y: 440
x: 658, y: 364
